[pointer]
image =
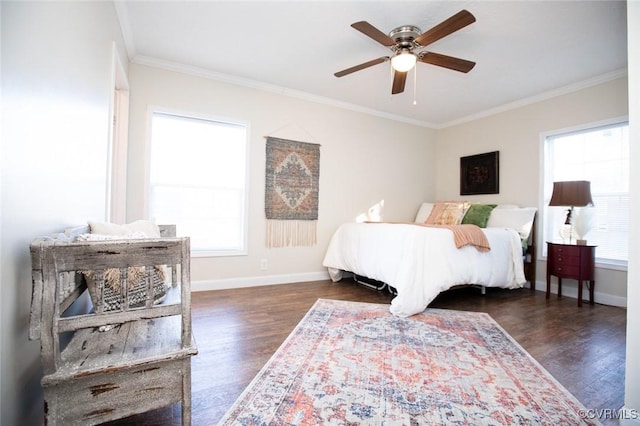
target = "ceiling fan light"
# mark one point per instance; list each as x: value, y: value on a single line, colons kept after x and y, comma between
x: 403, y: 62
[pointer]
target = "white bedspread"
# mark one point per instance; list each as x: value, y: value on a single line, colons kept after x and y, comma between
x: 420, y: 262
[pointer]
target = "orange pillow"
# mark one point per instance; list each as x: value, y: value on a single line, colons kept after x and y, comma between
x: 447, y: 213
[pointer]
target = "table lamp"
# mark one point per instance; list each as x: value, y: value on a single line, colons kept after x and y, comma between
x: 575, y: 193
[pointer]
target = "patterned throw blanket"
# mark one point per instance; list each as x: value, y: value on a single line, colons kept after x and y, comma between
x: 466, y: 235
x: 463, y: 235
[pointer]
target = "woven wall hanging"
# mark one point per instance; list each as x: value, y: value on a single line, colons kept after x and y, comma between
x: 291, y: 192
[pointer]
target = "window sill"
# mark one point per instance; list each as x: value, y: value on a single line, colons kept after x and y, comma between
x: 614, y: 265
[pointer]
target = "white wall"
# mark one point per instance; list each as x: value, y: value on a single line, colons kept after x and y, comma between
x: 363, y: 160
x: 632, y: 372
x: 56, y: 72
x: 516, y: 134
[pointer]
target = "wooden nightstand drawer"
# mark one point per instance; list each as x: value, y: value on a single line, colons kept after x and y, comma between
x: 564, y: 250
x: 566, y: 271
x: 566, y: 260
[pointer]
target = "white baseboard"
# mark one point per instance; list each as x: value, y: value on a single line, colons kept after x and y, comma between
x: 602, y: 298
x: 229, y: 283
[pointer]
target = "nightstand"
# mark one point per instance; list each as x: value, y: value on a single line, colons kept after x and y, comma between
x: 571, y: 261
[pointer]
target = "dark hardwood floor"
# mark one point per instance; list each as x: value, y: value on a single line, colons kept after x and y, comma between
x: 238, y: 330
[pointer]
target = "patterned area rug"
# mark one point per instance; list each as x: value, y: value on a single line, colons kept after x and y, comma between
x: 355, y: 363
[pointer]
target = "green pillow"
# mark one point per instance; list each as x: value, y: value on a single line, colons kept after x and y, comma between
x: 478, y: 214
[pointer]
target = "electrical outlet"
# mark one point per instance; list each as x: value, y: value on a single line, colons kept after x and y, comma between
x: 264, y: 264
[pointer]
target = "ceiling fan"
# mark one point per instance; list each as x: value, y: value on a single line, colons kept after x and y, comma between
x: 406, y: 43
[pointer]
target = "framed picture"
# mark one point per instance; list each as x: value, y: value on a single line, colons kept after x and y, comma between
x: 479, y: 174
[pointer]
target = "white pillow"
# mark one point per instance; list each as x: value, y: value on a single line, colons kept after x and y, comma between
x: 423, y: 212
x: 146, y: 227
x: 520, y: 219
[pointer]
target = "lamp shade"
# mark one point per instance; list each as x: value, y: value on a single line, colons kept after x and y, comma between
x: 574, y: 193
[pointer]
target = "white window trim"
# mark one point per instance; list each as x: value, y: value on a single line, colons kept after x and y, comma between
x: 151, y: 109
x: 600, y: 263
x: 116, y: 202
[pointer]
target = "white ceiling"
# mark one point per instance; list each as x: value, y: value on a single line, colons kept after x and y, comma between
x: 523, y: 49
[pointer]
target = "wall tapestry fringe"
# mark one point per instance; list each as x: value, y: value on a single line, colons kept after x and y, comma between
x: 284, y: 233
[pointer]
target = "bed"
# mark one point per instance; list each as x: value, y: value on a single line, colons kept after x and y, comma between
x: 421, y: 259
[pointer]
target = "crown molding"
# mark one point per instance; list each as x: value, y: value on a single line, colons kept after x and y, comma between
x: 613, y: 75
x: 258, y: 85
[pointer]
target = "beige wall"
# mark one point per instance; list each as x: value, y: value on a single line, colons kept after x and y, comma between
x: 396, y: 155
x: 364, y: 160
x: 56, y: 76
x: 517, y: 135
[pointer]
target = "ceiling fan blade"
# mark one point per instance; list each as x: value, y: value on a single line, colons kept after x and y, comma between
x: 370, y: 31
x: 399, y: 79
x: 451, y: 25
x: 361, y: 66
x: 445, y: 61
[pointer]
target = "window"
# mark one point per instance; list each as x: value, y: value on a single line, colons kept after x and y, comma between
x: 198, y: 181
x: 601, y: 156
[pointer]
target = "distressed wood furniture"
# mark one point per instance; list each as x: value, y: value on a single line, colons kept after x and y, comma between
x: 105, y: 364
x: 571, y: 261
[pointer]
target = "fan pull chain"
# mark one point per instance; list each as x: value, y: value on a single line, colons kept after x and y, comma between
x: 415, y: 84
